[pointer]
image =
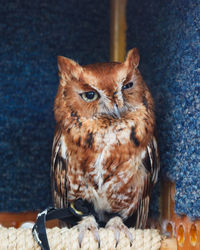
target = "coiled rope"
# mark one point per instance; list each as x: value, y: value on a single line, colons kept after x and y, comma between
x: 67, y: 239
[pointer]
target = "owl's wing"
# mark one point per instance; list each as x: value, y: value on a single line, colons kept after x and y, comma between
x: 152, y: 165
x: 59, y: 162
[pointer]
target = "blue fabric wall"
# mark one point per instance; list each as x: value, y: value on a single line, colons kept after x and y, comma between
x: 33, y: 33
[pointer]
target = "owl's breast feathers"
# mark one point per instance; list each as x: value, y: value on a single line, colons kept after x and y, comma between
x: 112, y: 163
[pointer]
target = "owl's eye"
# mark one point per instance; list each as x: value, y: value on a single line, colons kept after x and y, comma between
x: 127, y: 86
x: 89, y: 96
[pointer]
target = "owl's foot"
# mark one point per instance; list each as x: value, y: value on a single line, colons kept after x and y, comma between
x: 116, y: 225
x: 88, y: 223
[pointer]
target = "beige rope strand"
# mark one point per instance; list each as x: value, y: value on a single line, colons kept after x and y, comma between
x: 67, y: 239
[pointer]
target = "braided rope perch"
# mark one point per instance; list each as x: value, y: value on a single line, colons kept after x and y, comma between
x: 67, y: 239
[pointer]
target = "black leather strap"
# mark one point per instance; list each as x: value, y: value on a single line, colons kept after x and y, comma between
x: 70, y: 215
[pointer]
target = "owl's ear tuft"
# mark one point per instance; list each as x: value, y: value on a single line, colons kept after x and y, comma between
x: 68, y: 69
x: 133, y: 58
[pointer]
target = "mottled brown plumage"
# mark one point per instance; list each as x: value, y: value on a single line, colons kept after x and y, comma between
x: 105, y: 150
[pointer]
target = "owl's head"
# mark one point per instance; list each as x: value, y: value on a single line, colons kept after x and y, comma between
x: 100, y: 89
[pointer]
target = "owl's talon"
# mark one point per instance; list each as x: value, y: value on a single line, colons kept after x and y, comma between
x: 80, y: 238
x: 96, y: 236
x: 116, y: 225
x: 88, y: 223
x: 117, y: 235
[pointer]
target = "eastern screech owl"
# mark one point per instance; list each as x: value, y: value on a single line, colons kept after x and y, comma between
x: 104, y: 149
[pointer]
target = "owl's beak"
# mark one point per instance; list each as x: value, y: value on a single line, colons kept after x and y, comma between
x: 116, y: 111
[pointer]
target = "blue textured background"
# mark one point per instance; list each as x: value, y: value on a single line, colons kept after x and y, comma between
x: 33, y: 33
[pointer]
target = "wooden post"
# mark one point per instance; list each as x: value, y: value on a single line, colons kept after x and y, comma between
x: 117, y: 30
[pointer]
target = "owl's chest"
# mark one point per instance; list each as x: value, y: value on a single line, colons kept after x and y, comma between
x: 100, y: 166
